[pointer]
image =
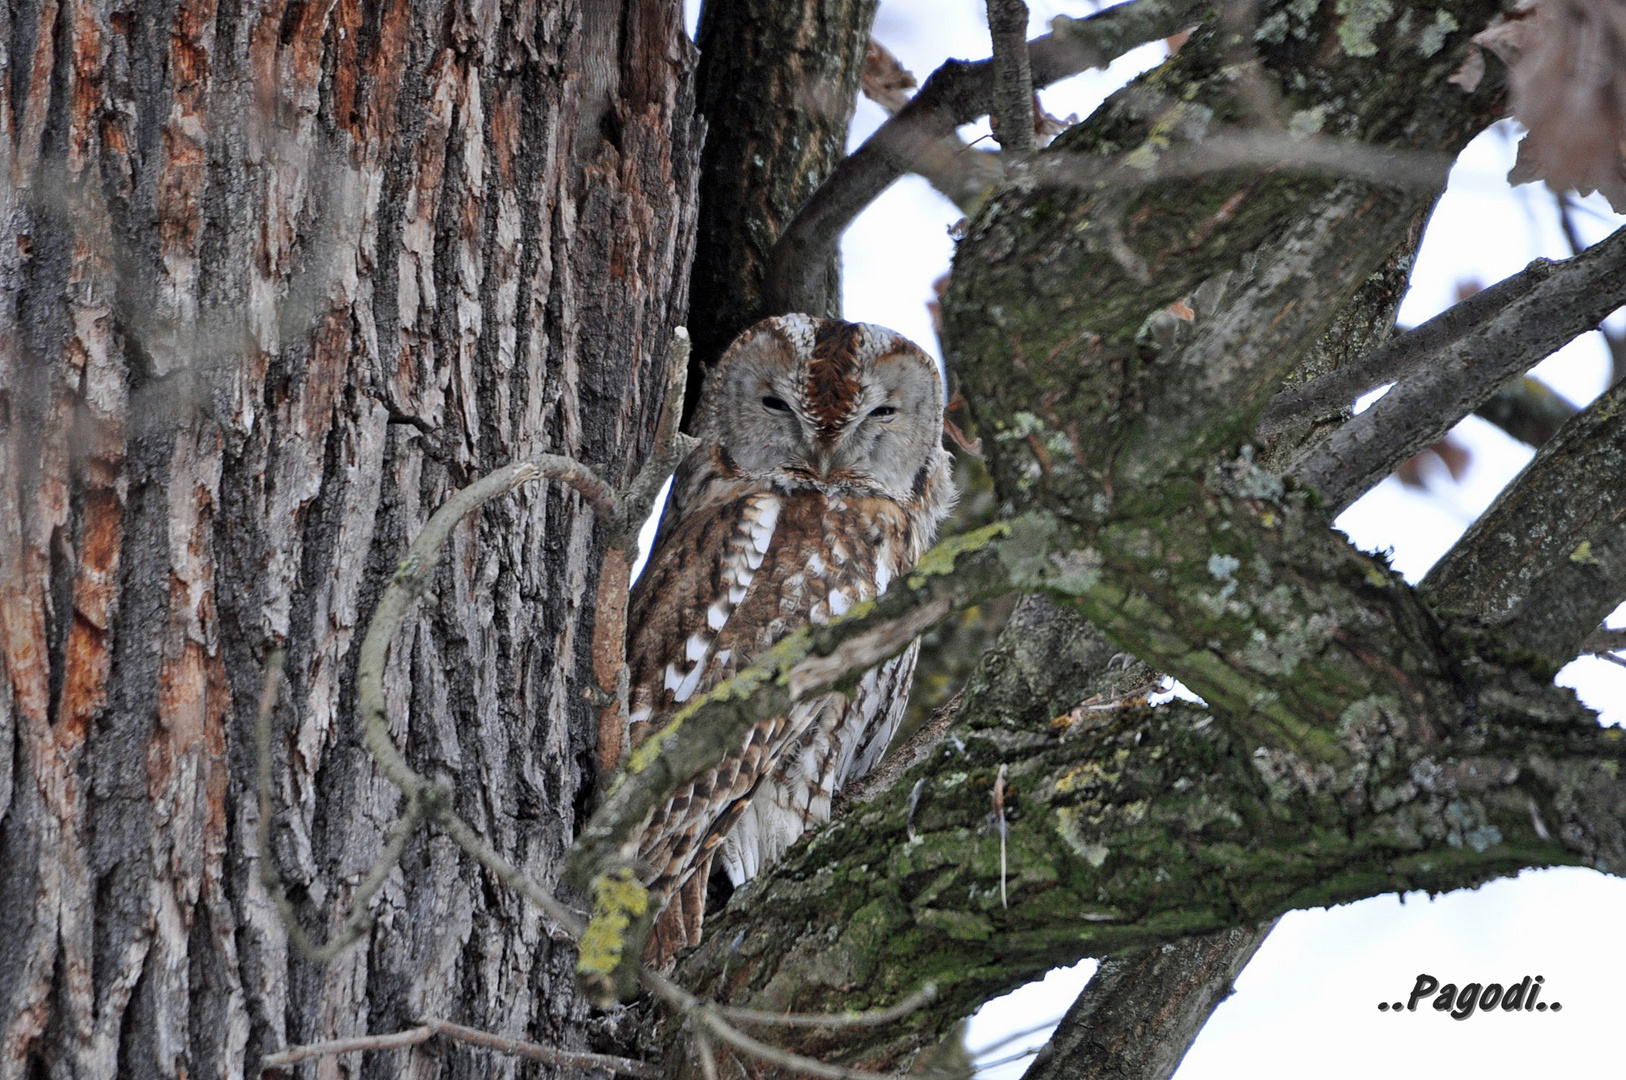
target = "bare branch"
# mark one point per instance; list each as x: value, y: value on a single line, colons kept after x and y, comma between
x: 411, y: 580
x: 962, y: 175
x: 708, y: 1059
x: 424, y: 800
x: 957, y: 93
x: 1575, y: 297
x: 1399, y: 356
x: 474, y: 1037
x: 1616, y: 343
x: 334, y: 1047
x: 1013, y: 75
x: 708, y: 1017
x: 578, y: 1059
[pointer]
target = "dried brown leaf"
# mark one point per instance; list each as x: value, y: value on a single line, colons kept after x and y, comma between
x: 884, y: 79
x: 1566, y: 63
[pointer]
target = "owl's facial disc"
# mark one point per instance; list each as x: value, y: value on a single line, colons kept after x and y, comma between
x: 823, y: 402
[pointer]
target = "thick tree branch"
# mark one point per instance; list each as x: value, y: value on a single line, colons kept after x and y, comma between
x: 1139, y: 1013
x: 1148, y: 827
x: 1573, y: 299
x: 957, y: 93
x: 1547, y: 562
x: 961, y: 174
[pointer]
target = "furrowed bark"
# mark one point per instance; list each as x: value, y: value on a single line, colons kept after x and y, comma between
x: 777, y: 85
x: 275, y: 280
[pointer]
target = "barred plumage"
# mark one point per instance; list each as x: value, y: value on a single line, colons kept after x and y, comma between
x: 820, y: 478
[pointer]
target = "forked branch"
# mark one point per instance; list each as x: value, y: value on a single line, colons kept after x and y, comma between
x: 1465, y: 373
x: 956, y: 93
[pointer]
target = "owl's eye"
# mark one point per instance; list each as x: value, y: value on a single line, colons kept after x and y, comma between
x: 773, y: 404
x: 883, y: 412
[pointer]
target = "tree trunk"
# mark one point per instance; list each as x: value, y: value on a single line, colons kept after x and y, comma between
x: 277, y: 279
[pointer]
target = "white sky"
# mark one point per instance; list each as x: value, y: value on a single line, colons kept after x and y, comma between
x: 1307, y: 1004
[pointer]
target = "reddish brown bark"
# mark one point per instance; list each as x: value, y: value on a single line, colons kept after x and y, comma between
x: 274, y: 280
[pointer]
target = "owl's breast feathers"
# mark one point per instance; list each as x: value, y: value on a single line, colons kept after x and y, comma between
x: 724, y: 584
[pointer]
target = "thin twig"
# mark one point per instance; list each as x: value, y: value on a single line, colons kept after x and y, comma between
x: 578, y: 1059
x: 474, y: 1037
x: 334, y: 1047
x: 411, y: 580
x: 956, y: 93
x: 873, y: 1018
x: 359, y: 920
x: 1615, y: 343
x: 1397, y: 357
x: 708, y: 1060
x: 423, y: 799
x: 708, y: 1017
x: 1014, y: 1036
x: 1013, y: 75
x: 1031, y: 1051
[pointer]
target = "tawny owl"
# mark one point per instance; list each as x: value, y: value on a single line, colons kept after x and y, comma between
x: 820, y: 478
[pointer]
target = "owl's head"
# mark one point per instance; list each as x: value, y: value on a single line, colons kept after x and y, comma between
x: 800, y: 401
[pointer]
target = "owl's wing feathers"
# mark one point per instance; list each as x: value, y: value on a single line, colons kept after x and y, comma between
x: 776, y: 562
x: 698, y: 574
x: 799, y: 792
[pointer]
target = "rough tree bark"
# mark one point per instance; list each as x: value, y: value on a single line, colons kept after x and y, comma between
x: 275, y: 279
